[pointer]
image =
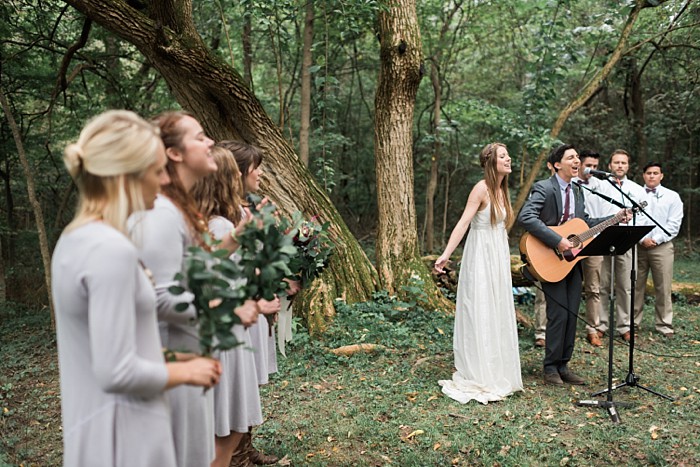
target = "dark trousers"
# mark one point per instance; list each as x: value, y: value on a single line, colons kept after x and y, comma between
x: 561, y: 324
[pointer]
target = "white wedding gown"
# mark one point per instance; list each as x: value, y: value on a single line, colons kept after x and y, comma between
x: 485, y: 332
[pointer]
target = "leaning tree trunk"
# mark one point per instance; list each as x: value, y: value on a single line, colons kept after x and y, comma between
x: 400, y: 72
x: 585, y: 94
x: 221, y: 100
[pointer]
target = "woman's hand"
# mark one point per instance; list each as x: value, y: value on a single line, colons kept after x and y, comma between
x: 440, y: 263
x: 199, y: 371
x: 248, y: 313
x: 293, y: 287
x: 269, y: 307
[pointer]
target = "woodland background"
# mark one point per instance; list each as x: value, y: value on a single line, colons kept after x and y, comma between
x: 371, y: 114
x: 313, y: 84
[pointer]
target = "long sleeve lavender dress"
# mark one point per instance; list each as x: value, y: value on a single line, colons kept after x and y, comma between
x: 111, y: 366
x: 162, y: 237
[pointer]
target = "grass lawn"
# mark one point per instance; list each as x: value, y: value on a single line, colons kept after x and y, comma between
x: 386, y: 408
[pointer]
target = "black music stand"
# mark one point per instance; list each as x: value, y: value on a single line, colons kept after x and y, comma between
x: 613, y: 241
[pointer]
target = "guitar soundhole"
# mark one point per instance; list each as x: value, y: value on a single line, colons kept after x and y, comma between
x: 575, y: 241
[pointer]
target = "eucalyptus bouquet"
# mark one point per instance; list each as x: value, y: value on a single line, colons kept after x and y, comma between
x: 314, y: 248
x: 211, y: 276
x: 266, y: 250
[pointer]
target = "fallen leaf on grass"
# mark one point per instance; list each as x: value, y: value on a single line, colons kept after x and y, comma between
x: 415, y: 433
x: 386, y: 458
x: 407, y: 433
x: 284, y: 461
x: 300, y: 435
x: 564, y: 461
x: 436, y: 446
x: 653, y: 430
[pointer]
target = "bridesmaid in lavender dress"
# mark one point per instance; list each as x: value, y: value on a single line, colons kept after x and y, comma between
x: 112, y: 371
x: 249, y: 159
x: 163, y: 236
x: 237, y: 396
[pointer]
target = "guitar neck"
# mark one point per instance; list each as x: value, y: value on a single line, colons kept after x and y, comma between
x: 592, y: 232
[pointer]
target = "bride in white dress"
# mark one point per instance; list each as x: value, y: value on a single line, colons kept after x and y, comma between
x: 485, y: 333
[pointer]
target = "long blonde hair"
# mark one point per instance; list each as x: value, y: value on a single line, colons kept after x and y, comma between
x: 107, y: 163
x: 221, y: 193
x: 500, y: 199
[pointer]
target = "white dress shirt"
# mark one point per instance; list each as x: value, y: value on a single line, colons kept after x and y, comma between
x: 666, y: 207
x: 595, y: 205
x: 630, y: 188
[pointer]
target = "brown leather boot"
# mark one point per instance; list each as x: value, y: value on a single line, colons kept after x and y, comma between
x: 241, y: 455
x: 257, y: 457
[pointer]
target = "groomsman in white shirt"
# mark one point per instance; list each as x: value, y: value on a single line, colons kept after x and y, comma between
x: 655, y: 253
x: 595, y: 207
x: 619, y: 166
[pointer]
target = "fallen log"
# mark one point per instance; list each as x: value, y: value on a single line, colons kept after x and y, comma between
x: 352, y: 349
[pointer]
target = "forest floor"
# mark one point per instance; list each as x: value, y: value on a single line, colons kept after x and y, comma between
x: 386, y: 408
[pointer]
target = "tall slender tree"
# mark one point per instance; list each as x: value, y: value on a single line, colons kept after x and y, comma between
x: 305, y: 103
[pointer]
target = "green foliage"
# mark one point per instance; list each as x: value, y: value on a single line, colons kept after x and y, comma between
x: 314, y: 248
x: 215, y: 282
x: 266, y: 250
x: 221, y: 284
x: 506, y: 69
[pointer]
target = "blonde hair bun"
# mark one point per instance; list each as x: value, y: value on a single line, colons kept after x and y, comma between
x: 73, y: 158
x: 113, y: 143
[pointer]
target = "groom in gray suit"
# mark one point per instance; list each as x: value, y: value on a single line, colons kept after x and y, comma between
x: 553, y: 202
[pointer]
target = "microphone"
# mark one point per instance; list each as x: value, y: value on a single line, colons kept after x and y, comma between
x: 597, y: 173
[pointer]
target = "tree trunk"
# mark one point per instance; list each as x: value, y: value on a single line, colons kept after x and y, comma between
x: 434, y: 160
x: 247, y: 41
x: 33, y: 200
x: 3, y: 281
x: 437, y: 66
x: 220, y: 99
x: 587, y: 91
x: 400, y: 72
x: 306, y: 63
x: 637, y: 107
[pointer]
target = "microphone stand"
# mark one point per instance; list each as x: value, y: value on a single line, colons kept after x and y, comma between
x: 632, y: 380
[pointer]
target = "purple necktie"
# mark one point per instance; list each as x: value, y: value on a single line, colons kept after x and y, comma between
x: 566, y: 204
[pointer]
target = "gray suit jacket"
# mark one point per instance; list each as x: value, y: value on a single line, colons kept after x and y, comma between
x: 545, y: 208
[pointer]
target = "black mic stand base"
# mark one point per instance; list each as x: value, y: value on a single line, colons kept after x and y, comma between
x: 632, y: 381
x: 609, y: 406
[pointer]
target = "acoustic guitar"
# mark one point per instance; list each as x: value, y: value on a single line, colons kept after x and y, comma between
x: 548, y: 264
